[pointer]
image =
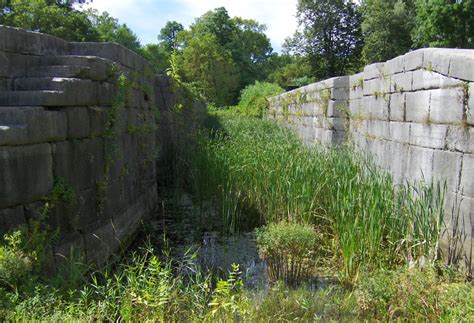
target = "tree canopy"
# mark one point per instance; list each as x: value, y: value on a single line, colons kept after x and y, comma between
x: 221, y: 55
x: 444, y: 23
x: 329, y: 35
x: 387, y: 27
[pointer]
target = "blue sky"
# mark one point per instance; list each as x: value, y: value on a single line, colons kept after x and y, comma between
x: 147, y: 17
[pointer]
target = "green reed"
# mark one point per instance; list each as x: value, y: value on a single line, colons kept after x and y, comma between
x: 256, y: 172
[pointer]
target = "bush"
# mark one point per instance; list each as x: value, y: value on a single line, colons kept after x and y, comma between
x: 253, y: 99
x: 15, y: 265
x: 289, y: 250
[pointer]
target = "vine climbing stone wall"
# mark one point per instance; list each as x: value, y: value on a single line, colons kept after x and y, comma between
x: 79, y: 139
x: 413, y: 115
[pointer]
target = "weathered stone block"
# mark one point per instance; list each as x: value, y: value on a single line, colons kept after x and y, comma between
x: 467, y: 175
x: 6, y: 84
x: 337, y: 108
x: 335, y: 124
x: 417, y: 106
x: 426, y: 80
x: 401, y: 82
x: 378, y: 129
x: 28, y: 125
x: 461, y: 138
x: 470, y: 105
x: 127, y: 223
x: 400, y: 132
x: 21, y: 41
x: 25, y: 174
x: 99, y: 242
x: 83, y: 210
x: 356, y: 84
x: 413, y: 60
x: 335, y: 82
x: 340, y: 93
x: 395, y: 65
x: 11, y: 218
x: 437, y: 60
x: 447, y: 168
x: 373, y: 71
x: 397, y: 106
x: 399, y: 157
x: 355, y: 108
x: 461, y: 64
x: 100, y: 68
x: 106, y: 92
x: 97, y: 120
x: 373, y: 87
x: 378, y: 107
x: 79, y: 162
x: 420, y: 164
x: 446, y: 106
x: 428, y: 135
x: 78, y: 123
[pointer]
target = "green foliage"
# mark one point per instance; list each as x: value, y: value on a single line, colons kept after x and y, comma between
x: 228, y: 299
x: 253, y: 99
x: 387, y: 27
x: 61, y: 193
x: 290, y: 71
x: 109, y: 30
x: 168, y: 35
x: 442, y: 23
x: 415, y: 295
x: 15, y: 264
x: 289, y: 250
x: 57, y: 18
x: 304, y: 304
x: 329, y: 36
x: 158, y: 57
x: 241, y: 44
x: 211, y: 68
x: 255, y: 171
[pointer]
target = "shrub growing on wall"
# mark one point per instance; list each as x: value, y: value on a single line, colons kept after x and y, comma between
x: 253, y: 99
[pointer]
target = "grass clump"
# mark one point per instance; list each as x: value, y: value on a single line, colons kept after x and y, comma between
x: 289, y: 250
x: 415, y: 295
x: 253, y: 98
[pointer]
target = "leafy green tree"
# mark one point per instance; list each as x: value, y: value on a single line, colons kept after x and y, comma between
x: 444, y: 23
x: 109, y: 29
x: 58, y: 18
x: 210, y: 67
x: 216, y: 22
x: 244, y: 38
x: 250, y: 49
x: 168, y: 35
x: 158, y: 56
x: 387, y: 27
x: 290, y: 71
x: 329, y: 36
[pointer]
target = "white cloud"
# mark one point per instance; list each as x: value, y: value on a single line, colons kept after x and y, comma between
x: 147, y: 17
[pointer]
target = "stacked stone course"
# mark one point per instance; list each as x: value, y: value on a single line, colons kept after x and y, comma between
x: 60, y: 119
x: 414, y: 115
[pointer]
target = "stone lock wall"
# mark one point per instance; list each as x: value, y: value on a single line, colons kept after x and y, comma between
x: 70, y: 122
x: 414, y: 115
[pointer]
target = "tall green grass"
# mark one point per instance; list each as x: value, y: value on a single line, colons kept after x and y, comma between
x: 256, y: 172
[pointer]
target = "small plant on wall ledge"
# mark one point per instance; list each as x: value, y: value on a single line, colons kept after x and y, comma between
x: 289, y: 250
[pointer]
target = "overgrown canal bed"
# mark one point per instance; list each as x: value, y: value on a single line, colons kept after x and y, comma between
x: 358, y: 240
